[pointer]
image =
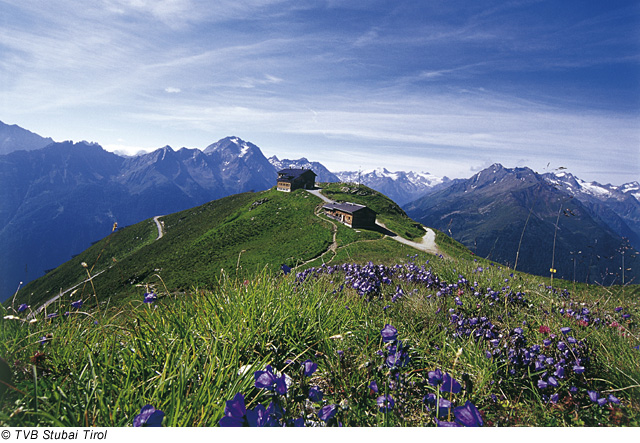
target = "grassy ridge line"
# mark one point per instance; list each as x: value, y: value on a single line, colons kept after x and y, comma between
x: 99, y: 257
x: 238, y: 234
x: 197, y: 244
x: 388, y: 212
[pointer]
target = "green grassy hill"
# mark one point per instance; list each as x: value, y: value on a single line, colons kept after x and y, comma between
x: 239, y: 234
x: 365, y: 332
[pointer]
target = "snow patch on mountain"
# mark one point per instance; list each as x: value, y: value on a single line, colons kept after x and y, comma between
x: 402, y: 187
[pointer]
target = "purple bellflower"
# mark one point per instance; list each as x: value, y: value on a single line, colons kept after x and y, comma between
x: 435, y: 377
x: 468, y: 415
x: 150, y: 297
x: 260, y: 417
x: 309, y: 367
x: 328, y: 412
x: 234, y: 412
x: 389, y: 334
x: 315, y: 394
x: 76, y: 304
x: 148, y: 417
x: 443, y: 407
x: 23, y: 307
x: 450, y: 384
x: 613, y: 399
x: 265, y: 379
x: 385, y: 403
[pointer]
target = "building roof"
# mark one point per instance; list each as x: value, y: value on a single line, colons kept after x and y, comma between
x: 347, y: 207
x: 292, y: 174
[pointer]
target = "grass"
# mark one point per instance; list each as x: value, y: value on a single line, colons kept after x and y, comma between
x: 185, y: 353
x: 225, y: 310
x: 239, y: 234
x: 388, y: 212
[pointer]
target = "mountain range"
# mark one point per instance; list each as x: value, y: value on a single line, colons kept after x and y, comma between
x: 539, y: 222
x: 13, y: 138
x: 401, y: 187
x: 58, y: 199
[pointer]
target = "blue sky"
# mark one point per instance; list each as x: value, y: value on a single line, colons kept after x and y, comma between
x: 447, y: 87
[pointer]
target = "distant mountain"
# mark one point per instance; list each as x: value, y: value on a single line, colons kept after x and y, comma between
x: 617, y: 206
x: 322, y: 173
x: 631, y: 188
x: 493, y: 210
x: 401, y: 187
x: 14, y: 138
x: 241, y: 165
x: 55, y: 201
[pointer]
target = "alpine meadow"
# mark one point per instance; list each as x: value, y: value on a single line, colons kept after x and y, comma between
x: 259, y: 310
x: 385, y: 216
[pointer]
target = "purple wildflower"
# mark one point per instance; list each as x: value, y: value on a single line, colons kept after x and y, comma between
x: 150, y: 297
x: 265, y: 379
x: 435, y: 377
x: 234, y: 412
x: 613, y: 399
x: 308, y: 368
x: 260, y: 417
x: 23, y: 307
x: 328, y: 412
x: 468, y: 415
x: 385, y: 403
x: 374, y: 386
x: 593, y: 396
x: 76, y: 304
x: 430, y: 399
x: 389, y: 334
x: 148, y: 417
x: 565, y: 330
x: 315, y: 394
x: 52, y: 315
x: 443, y: 407
x: 280, y: 385
x: 450, y: 384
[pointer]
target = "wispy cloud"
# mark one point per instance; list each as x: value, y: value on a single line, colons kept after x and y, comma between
x: 474, y: 81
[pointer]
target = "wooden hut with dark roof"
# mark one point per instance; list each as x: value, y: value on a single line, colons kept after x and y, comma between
x: 291, y: 179
x: 351, y: 214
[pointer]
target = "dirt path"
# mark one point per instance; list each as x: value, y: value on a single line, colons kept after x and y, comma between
x: 53, y: 299
x: 333, y: 247
x: 426, y: 243
x: 159, y: 224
